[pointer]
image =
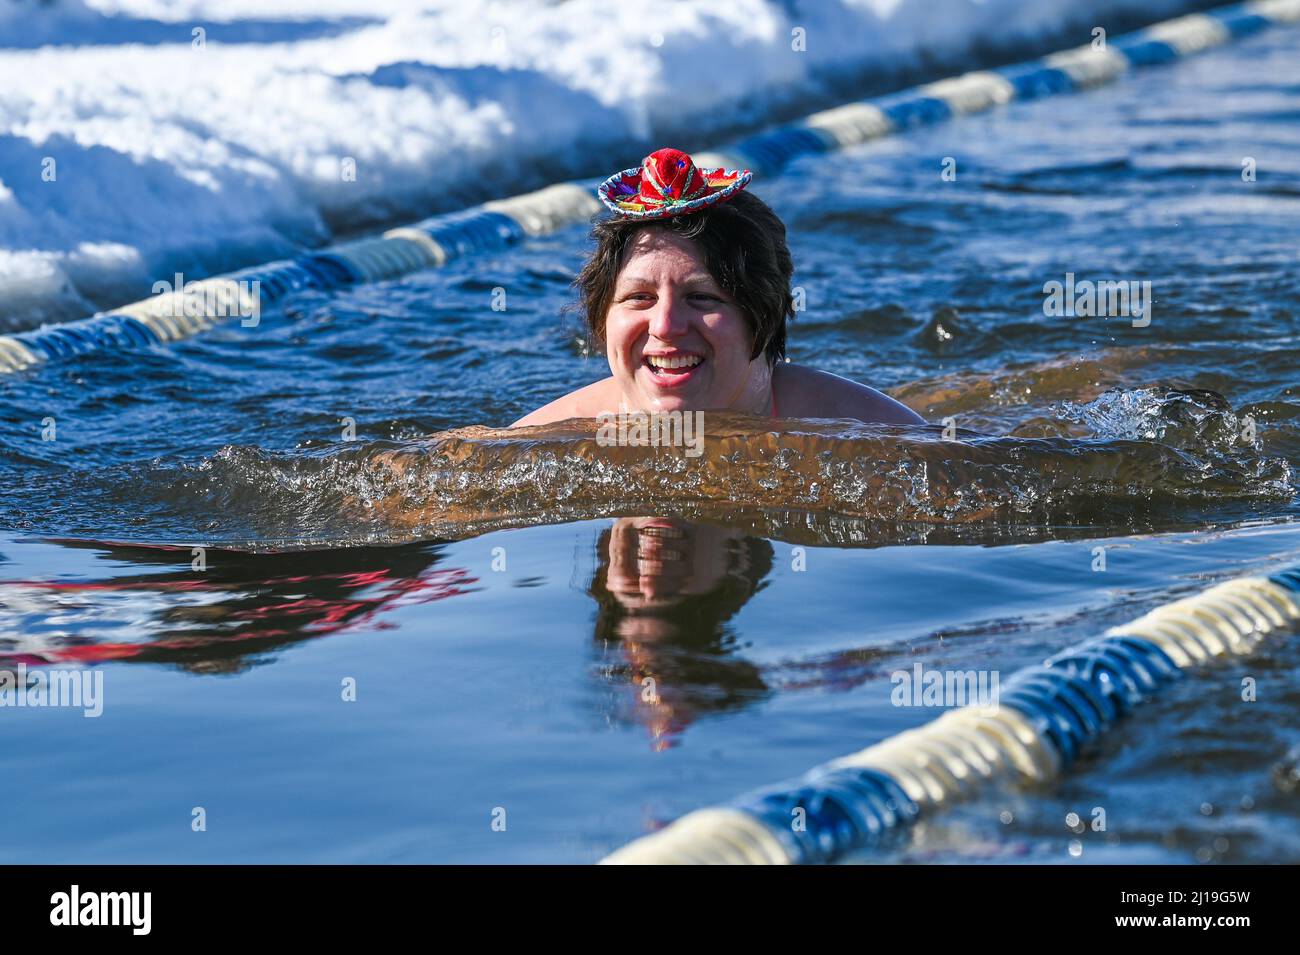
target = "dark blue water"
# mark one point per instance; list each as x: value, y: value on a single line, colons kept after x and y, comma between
x: 500, y: 604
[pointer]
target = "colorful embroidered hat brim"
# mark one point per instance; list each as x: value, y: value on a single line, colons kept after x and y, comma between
x: 668, y: 183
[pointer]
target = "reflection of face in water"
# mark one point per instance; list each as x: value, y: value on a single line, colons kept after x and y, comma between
x: 666, y: 589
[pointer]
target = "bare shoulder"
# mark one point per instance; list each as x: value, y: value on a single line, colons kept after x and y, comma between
x: 803, y: 392
x: 586, y: 402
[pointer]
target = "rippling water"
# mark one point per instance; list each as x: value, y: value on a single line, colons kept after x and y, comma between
x: 500, y: 600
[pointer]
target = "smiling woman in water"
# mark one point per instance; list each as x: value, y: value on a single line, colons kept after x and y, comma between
x: 688, y: 291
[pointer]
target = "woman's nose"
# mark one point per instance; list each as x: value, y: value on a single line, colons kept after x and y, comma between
x: 669, y: 319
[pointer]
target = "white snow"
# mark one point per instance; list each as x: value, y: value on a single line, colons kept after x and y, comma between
x: 143, y: 137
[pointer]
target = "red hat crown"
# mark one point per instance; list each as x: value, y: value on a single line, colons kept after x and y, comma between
x: 669, y: 175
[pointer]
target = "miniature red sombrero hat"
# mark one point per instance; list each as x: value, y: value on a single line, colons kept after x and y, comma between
x: 668, y: 183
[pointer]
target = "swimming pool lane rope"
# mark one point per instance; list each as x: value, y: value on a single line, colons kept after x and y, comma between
x: 1044, y: 716
x: 495, y: 225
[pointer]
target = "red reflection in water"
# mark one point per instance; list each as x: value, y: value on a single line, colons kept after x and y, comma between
x: 247, y: 606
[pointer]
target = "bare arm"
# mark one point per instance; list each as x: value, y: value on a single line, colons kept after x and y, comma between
x: 586, y: 402
x: 804, y: 392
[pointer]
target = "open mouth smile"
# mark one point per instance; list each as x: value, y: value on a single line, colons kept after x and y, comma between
x: 675, y: 368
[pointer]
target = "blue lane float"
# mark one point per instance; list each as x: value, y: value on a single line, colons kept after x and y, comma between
x: 499, y: 224
x: 278, y: 280
x: 101, y: 333
x: 1045, y: 716
x: 473, y: 231
x: 321, y: 270
x: 766, y: 153
x: 1239, y: 21
x: 1143, y: 52
x: 909, y: 111
x: 1032, y: 80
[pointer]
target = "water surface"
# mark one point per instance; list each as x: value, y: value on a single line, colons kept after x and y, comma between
x: 596, y: 640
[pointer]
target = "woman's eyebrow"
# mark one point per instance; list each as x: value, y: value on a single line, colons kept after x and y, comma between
x: 695, y: 280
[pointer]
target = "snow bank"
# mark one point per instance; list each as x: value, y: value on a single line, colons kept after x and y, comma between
x: 143, y: 137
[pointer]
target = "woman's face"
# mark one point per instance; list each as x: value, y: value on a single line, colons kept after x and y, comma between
x: 675, y: 340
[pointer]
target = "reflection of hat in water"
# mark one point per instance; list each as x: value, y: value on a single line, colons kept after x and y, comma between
x: 668, y: 183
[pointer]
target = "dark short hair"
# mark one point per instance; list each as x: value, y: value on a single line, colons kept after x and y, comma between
x: 744, y: 248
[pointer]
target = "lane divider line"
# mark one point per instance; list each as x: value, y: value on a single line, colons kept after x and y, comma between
x: 498, y: 224
x: 1044, y: 717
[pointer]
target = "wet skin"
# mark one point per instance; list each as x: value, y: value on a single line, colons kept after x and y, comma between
x: 676, y: 341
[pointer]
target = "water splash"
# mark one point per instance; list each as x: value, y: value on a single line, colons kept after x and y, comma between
x: 1151, y: 453
x: 1193, y: 420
